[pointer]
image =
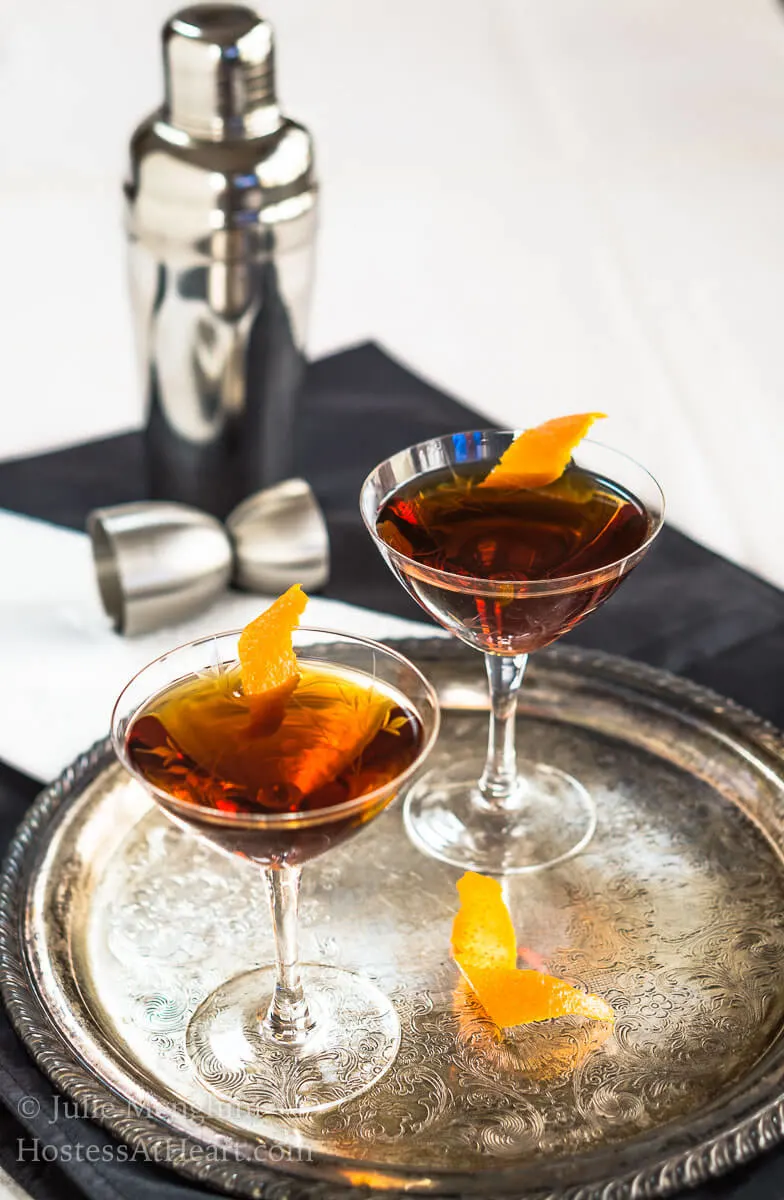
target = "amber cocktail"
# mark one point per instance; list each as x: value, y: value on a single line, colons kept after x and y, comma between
x: 507, y: 569
x: 278, y: 781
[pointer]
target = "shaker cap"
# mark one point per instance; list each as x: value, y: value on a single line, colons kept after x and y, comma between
x: 220, y: 72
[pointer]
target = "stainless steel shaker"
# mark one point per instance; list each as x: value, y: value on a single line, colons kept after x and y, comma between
x: 221, y: 218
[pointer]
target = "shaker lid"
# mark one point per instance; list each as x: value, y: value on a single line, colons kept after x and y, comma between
x: 220, y: 72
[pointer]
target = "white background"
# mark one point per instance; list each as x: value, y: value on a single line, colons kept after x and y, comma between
x: 542, y: 206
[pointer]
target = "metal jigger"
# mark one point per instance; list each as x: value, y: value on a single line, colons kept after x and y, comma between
x: 159, y: 562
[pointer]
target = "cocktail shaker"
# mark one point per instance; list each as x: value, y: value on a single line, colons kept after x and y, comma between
x: 221, y: 203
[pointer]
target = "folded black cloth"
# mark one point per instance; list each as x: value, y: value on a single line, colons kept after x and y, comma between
x: 684, y: 609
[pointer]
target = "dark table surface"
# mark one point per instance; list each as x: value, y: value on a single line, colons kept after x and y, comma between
x: 684, y: 609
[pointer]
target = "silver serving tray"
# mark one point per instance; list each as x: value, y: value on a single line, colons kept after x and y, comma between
x: 114, y: 924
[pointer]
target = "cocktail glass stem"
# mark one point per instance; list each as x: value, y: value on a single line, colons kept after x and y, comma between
x: 288, y: 1020
x: 498, y: 785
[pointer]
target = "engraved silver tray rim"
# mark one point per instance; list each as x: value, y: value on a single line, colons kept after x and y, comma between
x: 748, y: 1122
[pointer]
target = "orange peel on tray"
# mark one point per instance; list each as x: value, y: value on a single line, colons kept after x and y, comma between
x: 541, y: 455
x: 482, y: 931
x: 484, y: 948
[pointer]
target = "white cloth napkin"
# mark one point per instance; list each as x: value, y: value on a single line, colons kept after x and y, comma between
x: 63, y: 666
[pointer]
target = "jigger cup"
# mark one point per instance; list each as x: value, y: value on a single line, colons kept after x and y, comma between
x: 280, y: 537
x: 158, y: 562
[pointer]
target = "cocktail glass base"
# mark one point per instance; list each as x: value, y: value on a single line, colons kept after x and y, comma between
x: 548, y: 818
x: 353, y: 1043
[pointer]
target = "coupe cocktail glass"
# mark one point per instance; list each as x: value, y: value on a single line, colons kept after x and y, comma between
x: 507, y: 570
x: 279, y: 786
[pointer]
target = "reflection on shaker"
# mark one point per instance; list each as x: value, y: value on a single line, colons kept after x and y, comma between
x: 221, y: 221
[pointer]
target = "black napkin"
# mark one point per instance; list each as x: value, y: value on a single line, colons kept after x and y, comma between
x: 684, y: 608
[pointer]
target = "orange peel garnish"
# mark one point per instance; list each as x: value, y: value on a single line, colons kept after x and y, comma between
x: 484, y: 948
x: 511, y: 997
x: 270, y: 674
x: 266, y: 653
x: 540, y: 456
x: 482, y: 931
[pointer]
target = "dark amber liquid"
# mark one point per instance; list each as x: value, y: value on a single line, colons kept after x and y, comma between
x: 578, y: 524
x: 335, y: 738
